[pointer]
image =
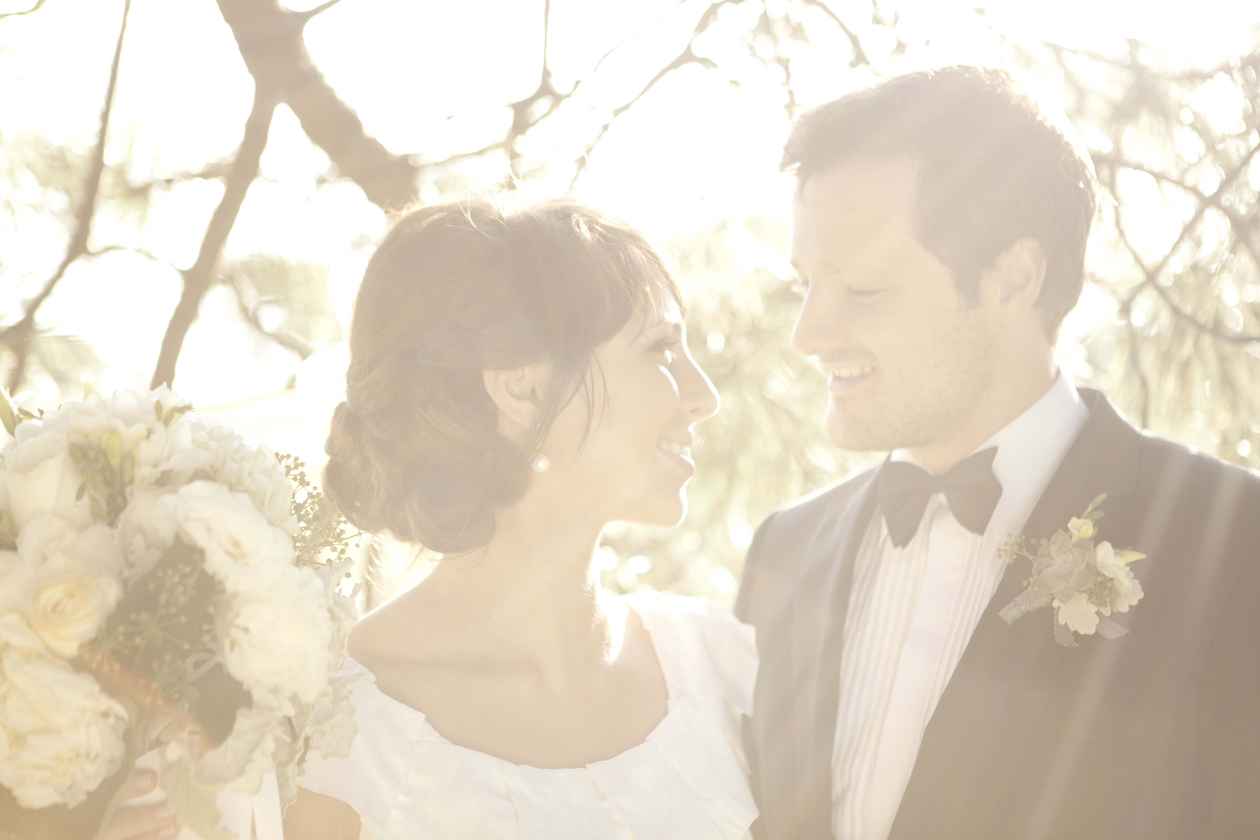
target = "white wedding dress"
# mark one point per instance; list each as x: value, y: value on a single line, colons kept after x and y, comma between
x: 688, y: 779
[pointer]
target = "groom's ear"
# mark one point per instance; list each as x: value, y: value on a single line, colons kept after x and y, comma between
x: 518, y: 395
x: 1016, y: 276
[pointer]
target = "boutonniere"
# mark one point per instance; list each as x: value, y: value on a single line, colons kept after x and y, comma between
x: 1085, y: 582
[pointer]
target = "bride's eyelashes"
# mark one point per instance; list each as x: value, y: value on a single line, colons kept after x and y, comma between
x: 866, y: 294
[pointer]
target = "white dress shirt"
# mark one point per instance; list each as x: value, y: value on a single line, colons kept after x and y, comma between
x: 913, y: 610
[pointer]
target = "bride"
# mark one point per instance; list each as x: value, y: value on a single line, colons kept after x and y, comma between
x: 517, y: 382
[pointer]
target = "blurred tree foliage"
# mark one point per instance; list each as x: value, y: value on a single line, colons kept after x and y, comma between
x: 1174, y: 335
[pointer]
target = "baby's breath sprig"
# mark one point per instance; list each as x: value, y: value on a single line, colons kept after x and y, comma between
x: 324, y: 537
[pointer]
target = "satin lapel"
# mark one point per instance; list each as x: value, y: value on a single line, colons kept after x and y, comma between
x: 1004, y: 686
x: 818, y: 642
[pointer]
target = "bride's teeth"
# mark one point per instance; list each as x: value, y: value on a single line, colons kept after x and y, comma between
x: 675, y: 448
x: 851, y: 373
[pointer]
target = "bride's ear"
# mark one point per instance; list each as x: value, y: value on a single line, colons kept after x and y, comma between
x: 518, y: 395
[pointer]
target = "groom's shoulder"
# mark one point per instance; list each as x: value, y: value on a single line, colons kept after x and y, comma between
x: 1165, y: 460
x: 819, y: 505
x: 1168, y: 469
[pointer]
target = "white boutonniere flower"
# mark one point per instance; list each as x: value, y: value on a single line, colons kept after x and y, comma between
x: 1085, y: 583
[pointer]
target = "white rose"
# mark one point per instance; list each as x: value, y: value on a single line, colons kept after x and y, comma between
x: 51, y: 545
x: 170, y: 455
x: 40, y: 478
x: 69, y: 609
x: 63, y: 736
x: 255, y: 472
x: 14, y: 587
x: 243, y: 551
x: 278, y: 644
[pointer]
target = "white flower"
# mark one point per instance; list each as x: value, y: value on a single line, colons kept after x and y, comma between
x: 243, y: 551
x: 65, y: 582
x: 241, y: 760
x: 60, y: 734
x: 51, y: 544
x: 1078, y: 613
x: 278, y: 644
x: 13, y: 587
x: 1081, y: 529
x: 41, y: 479
x: 70, y: 609
x: 1125, y: 592
x: 1115, y: 564
x: 146, y: 530
x: 252, y: 471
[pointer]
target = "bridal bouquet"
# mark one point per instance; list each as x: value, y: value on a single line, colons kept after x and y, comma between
x: 162, y: 585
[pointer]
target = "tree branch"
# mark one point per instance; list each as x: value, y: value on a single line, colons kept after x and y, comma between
x: 199, y: 278
x: 19, y: 335
x: 685, y: 57
x: 270, y: 42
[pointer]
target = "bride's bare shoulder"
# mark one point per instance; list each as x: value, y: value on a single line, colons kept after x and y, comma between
x: 403, y: 628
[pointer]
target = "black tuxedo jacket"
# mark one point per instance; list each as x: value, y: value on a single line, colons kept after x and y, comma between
x: 1152, y: 735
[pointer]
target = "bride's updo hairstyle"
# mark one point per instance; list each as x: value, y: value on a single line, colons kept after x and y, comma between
x: 452, y: 291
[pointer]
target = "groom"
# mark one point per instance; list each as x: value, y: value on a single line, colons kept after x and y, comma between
x: 940, y: 230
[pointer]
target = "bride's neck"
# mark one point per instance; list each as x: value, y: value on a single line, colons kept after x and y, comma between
x: 533, y: 589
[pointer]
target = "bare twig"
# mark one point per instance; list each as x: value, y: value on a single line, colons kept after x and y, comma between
x: 1152, y: 274
x: 521, y: 109
x: 19, y: 335
x: 199, y: 278
x: 684, y: 58
x: 1215, y: 198
x: 306, y: 16
x: 1131, y: 65
x: 859, y: 57
x: 1237, y: 222
x: 32, y: 10
x: 128, y: 249
x: 286, y: 339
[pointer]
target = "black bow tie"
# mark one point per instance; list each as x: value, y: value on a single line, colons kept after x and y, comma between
x: 970, y: 488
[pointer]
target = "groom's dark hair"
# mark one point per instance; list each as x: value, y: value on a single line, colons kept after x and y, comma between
x: 992, y: 168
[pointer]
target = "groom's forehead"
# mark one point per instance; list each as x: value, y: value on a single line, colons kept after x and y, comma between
x: 830, y: 222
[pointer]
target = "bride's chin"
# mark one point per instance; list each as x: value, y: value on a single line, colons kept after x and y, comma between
x: 672, y: 513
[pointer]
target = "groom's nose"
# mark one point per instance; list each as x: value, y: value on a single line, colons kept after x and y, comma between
x: 818, y: 327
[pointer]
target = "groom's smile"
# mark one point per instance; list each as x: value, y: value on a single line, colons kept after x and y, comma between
x: 906, y: 356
